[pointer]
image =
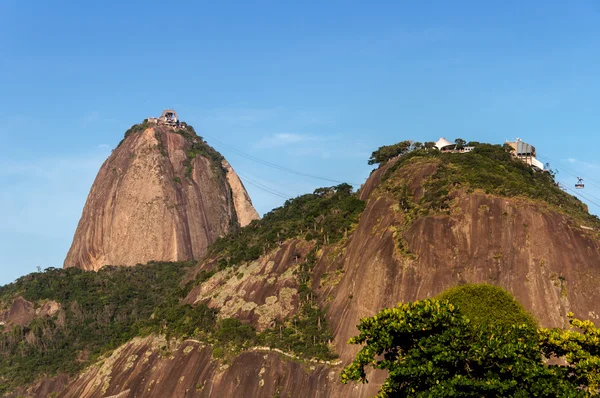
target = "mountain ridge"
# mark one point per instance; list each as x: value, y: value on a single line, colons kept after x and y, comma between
x: 300, y: 279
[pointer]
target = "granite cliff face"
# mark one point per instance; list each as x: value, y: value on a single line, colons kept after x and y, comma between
x: 537, y: 251
x: 542, y: 256
x: 164, y: 195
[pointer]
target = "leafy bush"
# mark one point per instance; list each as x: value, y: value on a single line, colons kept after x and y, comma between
x: 487, y: 304
x: 387, y: 152
x: 199, y: 147
x: 180, y: 320
x: 231, y: 331
x: 324, y: 216
x: 430, y: 348
x: 136, y: 128
x: 579, y: 347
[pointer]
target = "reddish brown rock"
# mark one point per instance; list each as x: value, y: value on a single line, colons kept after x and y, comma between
x: 149, y: 202
x: 545, y: 259
x: 141, y: 368
x: 22, y: 312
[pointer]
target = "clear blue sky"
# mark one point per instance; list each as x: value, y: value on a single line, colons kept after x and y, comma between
x: 311, y: 85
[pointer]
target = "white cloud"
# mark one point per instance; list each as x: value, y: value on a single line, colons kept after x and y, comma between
x: 284, y: 139
x: 333, y: 151
x: 41, y: 200
x: 91, y: 117
x: 584, y: 163
x: 238, y: 116
x: 325, y: 147
x: 46, y: 195
x: 94, y: 117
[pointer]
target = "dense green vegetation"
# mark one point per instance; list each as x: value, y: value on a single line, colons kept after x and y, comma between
x: 136, y: 128
x: 100, y: 311
x: 492, y: 169
x: 488, y: 305
x: 324, y: 216
x: 431, y: 348
x: 385, y: 153
x: 199, y: 147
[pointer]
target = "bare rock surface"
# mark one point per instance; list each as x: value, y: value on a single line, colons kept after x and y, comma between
x: 152, y: 201
x: 143, y: 368
x: 548, y: 262
x: 246, y: 213
x: 22, y: 312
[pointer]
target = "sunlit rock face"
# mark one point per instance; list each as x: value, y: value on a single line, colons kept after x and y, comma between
x: 151, y: 200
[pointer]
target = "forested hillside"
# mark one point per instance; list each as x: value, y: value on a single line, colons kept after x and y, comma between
x: 270, y: 308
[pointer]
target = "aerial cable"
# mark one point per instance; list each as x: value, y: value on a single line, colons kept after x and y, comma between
x: 266, y: 187
x: 587, y: 195
x: 571, y: 171
x: 582, y: 197
x: 587, y: 181
x: 274, y: 165
x: 286, y: 188
x: 566, y: 170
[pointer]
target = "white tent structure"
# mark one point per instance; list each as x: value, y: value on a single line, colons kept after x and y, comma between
x: 444, y: 144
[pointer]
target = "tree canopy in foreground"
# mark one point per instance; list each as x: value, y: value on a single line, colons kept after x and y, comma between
x: 431, y: 348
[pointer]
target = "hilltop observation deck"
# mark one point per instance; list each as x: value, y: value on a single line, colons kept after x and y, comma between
x: 167, y: 118
x: 520, y: 150
x: 526, y: 153
x: 446, y: 146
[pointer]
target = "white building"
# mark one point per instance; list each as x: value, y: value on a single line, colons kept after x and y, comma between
x: 526, y: 153
x: 446, y: 146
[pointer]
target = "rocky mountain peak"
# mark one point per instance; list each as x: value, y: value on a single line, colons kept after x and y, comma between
x: 163, y: 194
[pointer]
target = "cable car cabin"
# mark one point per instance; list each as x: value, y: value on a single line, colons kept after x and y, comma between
x: 579, y: 184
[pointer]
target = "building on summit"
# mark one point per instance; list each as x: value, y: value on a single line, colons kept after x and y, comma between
x: 168, y: 117
x: 446, y: 146
x: 521, y: 150
x: 526, y: 153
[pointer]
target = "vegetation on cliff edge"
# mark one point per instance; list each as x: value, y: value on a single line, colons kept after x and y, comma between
x: 325, y: 216
x: 488, y: 168
x: 198, y: 147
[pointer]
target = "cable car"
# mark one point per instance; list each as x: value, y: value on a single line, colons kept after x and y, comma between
x: 579, y: 184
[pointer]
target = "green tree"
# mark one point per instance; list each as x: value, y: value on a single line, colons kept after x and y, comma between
x: 387, y: 152
x: 460, y: 143
x: 430, y: 349
x: 416, y: 145
x: 579, y: 348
